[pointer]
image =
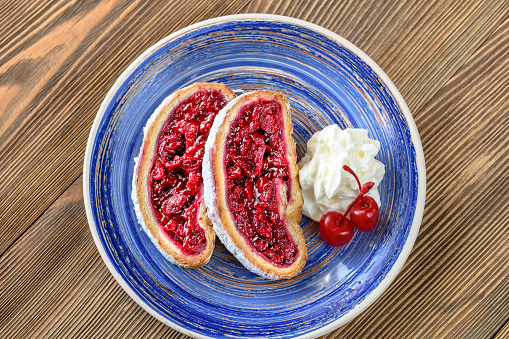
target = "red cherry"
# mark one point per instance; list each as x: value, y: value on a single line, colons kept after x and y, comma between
x: 364, y: 210
x: 364, y: 214
x: 335, y: 229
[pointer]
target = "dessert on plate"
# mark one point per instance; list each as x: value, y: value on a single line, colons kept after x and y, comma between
x: 167, y: 183
x: 325, y: 186
x: 332, y: 190
x: 251, y: 186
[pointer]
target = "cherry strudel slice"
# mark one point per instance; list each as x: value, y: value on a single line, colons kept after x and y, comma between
x: 251, y: 186
x: 167, y: 183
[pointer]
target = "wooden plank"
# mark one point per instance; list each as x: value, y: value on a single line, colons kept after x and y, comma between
x: 55, y: 69
x: 55, y: 285
x: 503, y: 333
x: 454, y: 285
x: 419, y: 44
x: 456, y: 281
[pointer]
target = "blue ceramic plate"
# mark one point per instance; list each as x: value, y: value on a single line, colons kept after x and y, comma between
x: 328, y: 81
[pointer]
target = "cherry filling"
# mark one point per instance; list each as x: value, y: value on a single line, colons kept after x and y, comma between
x: 175, y: 180
x: 257, y: 180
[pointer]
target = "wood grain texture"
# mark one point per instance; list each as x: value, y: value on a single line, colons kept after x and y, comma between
x: 449, y: 60
x: 55, y: 285
x: 456, y: 281
x: 503, y: 333
x: 419, y: 44
x: 55, y: 70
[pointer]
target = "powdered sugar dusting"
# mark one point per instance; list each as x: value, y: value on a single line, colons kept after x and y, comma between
x: 210, y: 194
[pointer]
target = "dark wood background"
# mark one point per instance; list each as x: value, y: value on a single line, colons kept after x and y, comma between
x: 448, y: 58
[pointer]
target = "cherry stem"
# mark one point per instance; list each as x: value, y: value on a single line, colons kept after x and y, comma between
x: 350, y: 207
x: 349, y: 170
x: 362, y: 190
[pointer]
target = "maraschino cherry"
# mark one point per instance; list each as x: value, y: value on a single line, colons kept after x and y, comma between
x: 337, y: 230
x: 364, y: 212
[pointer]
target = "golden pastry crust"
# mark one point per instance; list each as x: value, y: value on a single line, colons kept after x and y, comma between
x: 293, y: 210
x: 141, y: 180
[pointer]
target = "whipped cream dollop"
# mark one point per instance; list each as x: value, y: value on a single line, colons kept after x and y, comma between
x: 326, y: 186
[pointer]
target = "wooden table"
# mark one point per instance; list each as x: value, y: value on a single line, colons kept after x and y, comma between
x: 448, y: 58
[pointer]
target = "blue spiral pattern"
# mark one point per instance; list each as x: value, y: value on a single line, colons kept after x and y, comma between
x: 326, y: 83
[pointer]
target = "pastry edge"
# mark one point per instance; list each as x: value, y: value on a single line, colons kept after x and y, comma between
x: 175, y: 255
x: 293, y: 212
